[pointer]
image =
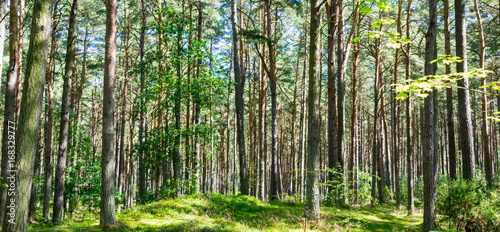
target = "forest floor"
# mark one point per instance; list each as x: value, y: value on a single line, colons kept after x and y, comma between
x: 216, y: 212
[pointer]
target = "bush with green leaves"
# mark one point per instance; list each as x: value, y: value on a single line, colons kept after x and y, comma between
x: 461, y: 203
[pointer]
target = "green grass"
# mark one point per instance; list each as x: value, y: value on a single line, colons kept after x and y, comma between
x: 215, y: 212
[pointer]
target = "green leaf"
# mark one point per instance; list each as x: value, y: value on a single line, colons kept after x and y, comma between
x: 375, y: 24
x: 355, y: 39
x: 365, y: 10
x: 401, y: 96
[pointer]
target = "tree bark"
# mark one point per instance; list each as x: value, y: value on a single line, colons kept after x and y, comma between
x: 239, y: 103
x: 31, y: 107
x: 36, y: 169
x: 274, y: 185
x: 107, y: 216
x: 142, y: 111
x: 452, y: 160
x: 50, y: 118
x: 10, y: 101
x: 332, y: 100
x: 395, y: 119
x: 488, y: 169
x: 429, y: 133
x: 464, y: 109
x: 409, y: 135
x: 58, y: 213
x: 312, y: 190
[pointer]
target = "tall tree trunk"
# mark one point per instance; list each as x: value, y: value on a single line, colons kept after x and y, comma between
x: 376, y: 143
x: 50, y: 118
x: 452, y: 162
x: 142, y: 110
x: 395, y: 119
x: 409, y: 134
x: 58, y: 213
x: 332, y: 101
x: 107, y: 216
x: 29, y: 122
x: 302, y: 123
x: 354, y: 130
x: 429, y: 134
x: 312, y: 190
x: 9, y: 103
x: 262, y: 123
x: 273, y: 192
x: 240, y: 83
x: 464, y: 110
x: 122, y: 163
x: 342, y: 56
x: 488, y: 169
x: 176, y: 157
x: 196, y: 115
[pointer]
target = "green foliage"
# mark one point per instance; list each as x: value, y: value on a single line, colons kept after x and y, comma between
x: 465, y: 203
x: 388, y: 194
x: 421, y: 86
x: 364, y: 187
x: 342, y: 187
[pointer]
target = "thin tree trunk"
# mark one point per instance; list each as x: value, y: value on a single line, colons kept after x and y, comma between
x: 409, y: 134
x: 20, y: 56
x: 312, y: 190
x: 332, y: 101
x: 239, y: 103
x: 9, y: 103
x: 142, y: 111
x: 273, y: 193
x: 196, y: 114
x: 395, y: 119
x: 488, y: 169
x: 449, y: 98
x: 58, y: 213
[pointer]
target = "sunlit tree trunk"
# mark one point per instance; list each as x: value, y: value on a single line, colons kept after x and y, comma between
x: 464, y: 109
x: 107, y: 216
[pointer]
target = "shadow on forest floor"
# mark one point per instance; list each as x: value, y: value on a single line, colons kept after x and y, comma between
x: 214, y: 212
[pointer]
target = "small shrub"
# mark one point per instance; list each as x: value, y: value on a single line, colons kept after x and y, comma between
x: 466, y: 204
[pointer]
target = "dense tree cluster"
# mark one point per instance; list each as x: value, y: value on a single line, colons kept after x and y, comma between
x: 113, y: 104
